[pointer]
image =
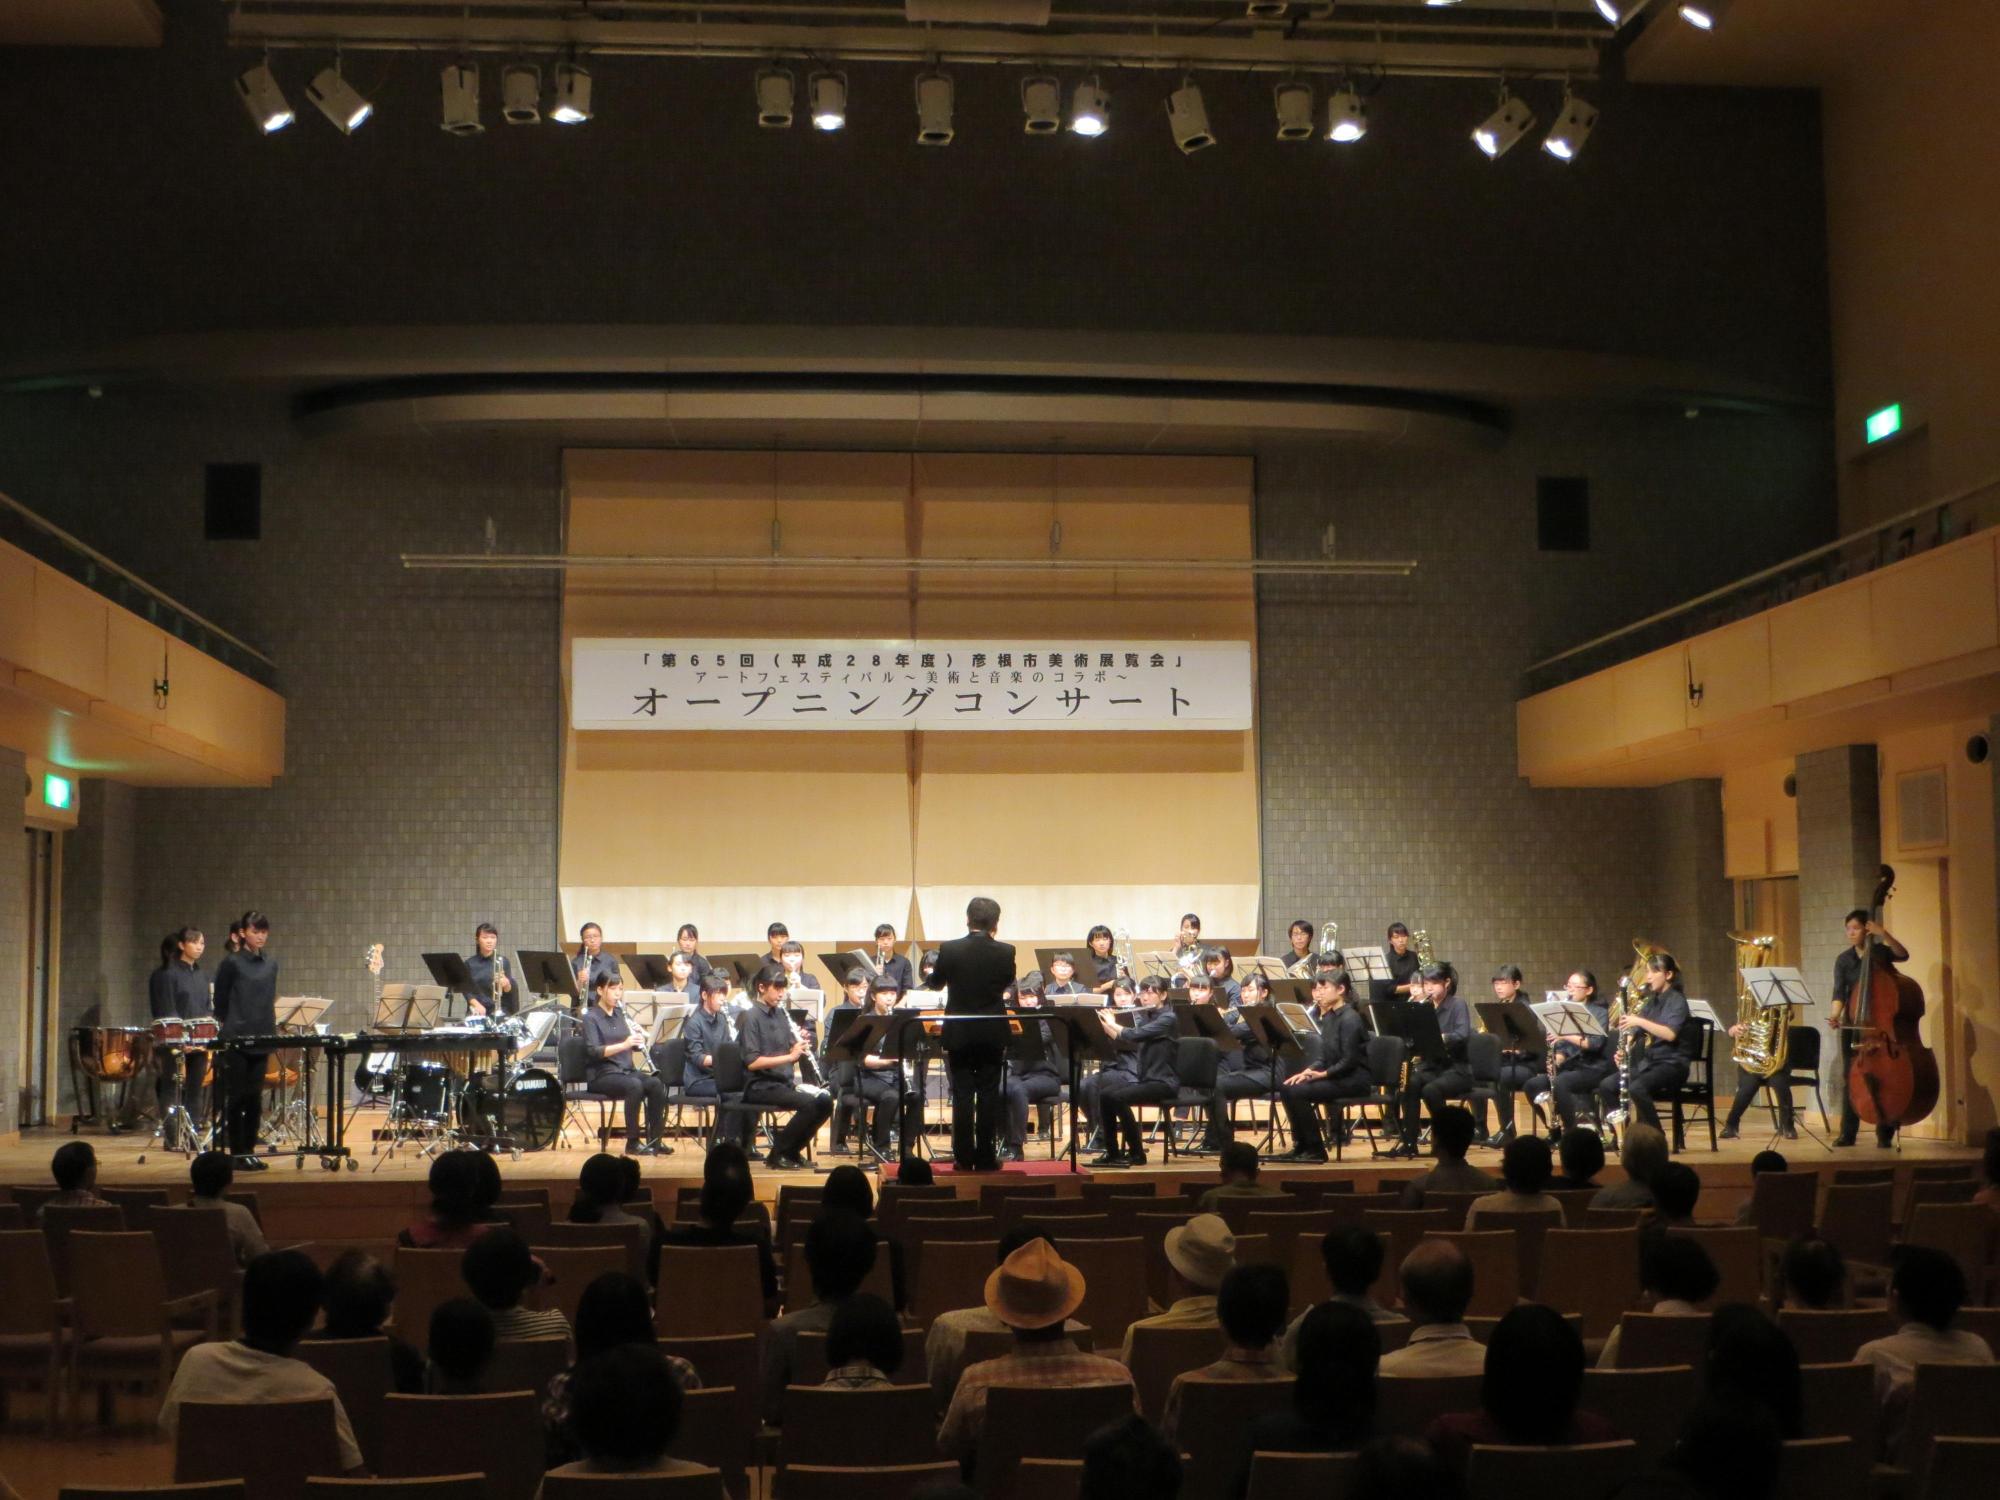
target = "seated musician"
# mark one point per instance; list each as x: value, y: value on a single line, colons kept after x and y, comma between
x: 1432, y: 1084
x: 1062, y: 977
x: 875, y: 1080
x: 489, y: 973
x: 1245, y: 1074
x: 688, y: 941
x: 924, y: 967
x: 1220, y: 966
x: 792, y: 958
x: 707, y: 1027
x: 1339, y: 1071
x: 1666, y: 1041
x: 888, y: 961
x: 1104, y: 963
x: 1580, y: 1065
x: 610, y: 1042
x: 1299, y: 965
x: 683, y: 978
x: 1031, y: 1082
x: 772, y: 1050
x: 1517, y: 1071
x: 590, y: 961
x: 840, y: 1075
x: 1141, y: 1073
x: 1188, y: 949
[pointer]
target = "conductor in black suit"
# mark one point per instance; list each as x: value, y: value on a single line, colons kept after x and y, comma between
x: 975, y: 970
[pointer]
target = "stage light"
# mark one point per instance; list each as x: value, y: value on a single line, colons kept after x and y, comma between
x: 1705, y: 14
x: 521, y: 94
x: 1041, y: 103
x: 1439, y: 4
x: 1294, y: 102
x: 259, y: 91
x: 1505, y: 126
x: 459, y: 83
x: 572, y: 101
x: 1089, y: 110
x: 1188, y: 116
x: 1617, y: 12
x: 775, y: 98
x: 338, y: 100
x: 828, y: 93
x: 1574, y: 122
x: 934, y: 94
x: 1346, y: 116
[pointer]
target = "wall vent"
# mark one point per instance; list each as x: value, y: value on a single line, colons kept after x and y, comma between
x: 1920, y: 809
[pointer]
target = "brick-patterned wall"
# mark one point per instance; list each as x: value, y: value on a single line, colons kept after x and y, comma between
x: 1696, y: 902
x: 104, y: 958
x: 13, y: 937
x: 1840, y: 855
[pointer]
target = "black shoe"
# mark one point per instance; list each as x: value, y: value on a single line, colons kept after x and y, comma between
x: 1503, y: 1139
x: 1789, y: 1132
x: 1841, y: 1141
x: 1302, y: 1155
x: 1135, y: 1158
x: 1402, y: 1151
x: 252, y: 1164
x: 789, y: 1163
x: 1011, y: 1153
x: 1727, y: 1133
x: 1109, y: 1159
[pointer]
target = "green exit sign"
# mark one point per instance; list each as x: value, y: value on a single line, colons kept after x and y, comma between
x: 1885, y: 423
x: 57, y: 790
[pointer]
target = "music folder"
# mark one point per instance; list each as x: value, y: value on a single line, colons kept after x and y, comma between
x: 1291, y: 992
x: 1515, y: 1023
x: 448, y: 970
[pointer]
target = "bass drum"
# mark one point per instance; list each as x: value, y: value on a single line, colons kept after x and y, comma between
x: 526, y: 1113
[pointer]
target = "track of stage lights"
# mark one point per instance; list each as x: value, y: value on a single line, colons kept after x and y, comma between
x: 566, y: 99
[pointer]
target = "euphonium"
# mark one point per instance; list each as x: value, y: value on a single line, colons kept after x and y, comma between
x: 1767, y: 1031
x: 1329, y: 938
x: 1421, y: 941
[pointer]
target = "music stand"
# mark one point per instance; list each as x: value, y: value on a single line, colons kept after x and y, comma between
x: 1159, y: 962
x: 1271, y: 1027
x: 1516, y: 1024
x: 1368, y: 964
x: 449, y: 971
x: 1701, y: 1010
x: 1205, y: 1020
x: 1085, y: 1036
x: 642, y: 1013
x: 548, y: 973
x: 842, y: 962
x: 856, y: 1034
x: 402, y: 1007
x: 743, y: 966
x: 651, y: 970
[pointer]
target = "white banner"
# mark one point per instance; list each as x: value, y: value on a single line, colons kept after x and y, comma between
x: 634, y: 683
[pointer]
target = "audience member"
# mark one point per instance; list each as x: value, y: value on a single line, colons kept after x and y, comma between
x: 1528, y: 1391
x: 1926, y: 1290
x: 864, y: 1344
x: 847, y: 1190
x: 1581, y: 1153
x: 74, y: 1167
x: 1239, y: 1178
x: 1525, y: 1167
x: 625, y: 1407
x: 726, y: 1191
x: 944, y: 1345
x: 1129, y: 1460
x: 1199, y: 1254
x: 1677, y: 1274
x: 281, y: 1293
x: 1452, y: 1129
x: 1392, y: 1468
x: 1353, y: 1259
x: 459, y: 1349
x: 1762, y: 1162
x: 840, y: 1252
x: 1751, y: 1359
x: 209, y: 1176
x: 457, y: 1183
x: 355, y: 1300
x: 1724, y: 1452
x: 1251, y: 1307
x: 1676, y: 1190
x: 1642, y: 1156
x: 1032, y: 1292
x: 1332, y: 1409
x: 602, y: 1191
x: 1437, y: 1288
x: 915, y: 1171
x: 499, y: 1269
x: 487, y: 1186
x: 613, y: 1311
x: 1813, y: 1274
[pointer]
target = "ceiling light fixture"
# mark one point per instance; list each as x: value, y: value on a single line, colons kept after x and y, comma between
x: 259, y: 91
x: 775, y: 98
x: 827, y: 92
x: 1188, y: 116
x: 338, y: 99
x: 459, y: 85
x: 521, y: 94
x: 1089, y: 110
x: 1574, y: 122
x: 1617, y: 12
x: 934, y: 97
x: 1705, y: 14
x: 1346, y: 116
x: 1503, y: 129
x: 572, y: 101
x: 1294, y: 102
x: 1041, y: 104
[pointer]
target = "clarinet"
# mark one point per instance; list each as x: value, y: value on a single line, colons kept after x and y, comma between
x: 808, y: 1063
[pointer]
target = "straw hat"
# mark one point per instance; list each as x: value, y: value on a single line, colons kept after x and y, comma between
x: 1034, y: 1287
x: 1202, y: 1250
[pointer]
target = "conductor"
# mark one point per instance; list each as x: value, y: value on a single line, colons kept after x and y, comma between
x: 975, y: 971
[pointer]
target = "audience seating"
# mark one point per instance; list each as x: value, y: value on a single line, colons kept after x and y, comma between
x: 1594, y: 1272
x: 430, y: 1487
x: 890, y: 1425
x: 798, y: 1202
x: 196, y: 1254
x: 993, y: 1196
x: 526, y: 1364
x: 1738, y: 1255
x: 136, y: 1201
x: 1287, y: 1228
x: 61, y: 1220
x: 293, y: 1439
x: 1406, y: 1404
x: 424, y: 1278
x: 1159, y: 1354
x: 634, y: 1239
x: 363, y: 1375
x: 992, y: 1343
x: 1301, y: 1476
x: 1016, y: 1207
x: 123, y: 1318
x: 28, y: 1197
x: 499, y: 1435
x: 1855, y: 1219
x: 709, y: 1289
x: 1862, y: 1176
x: 713, y: 1433
x: 1648, y: 1340
x: 1041, y: 1422
x: 1099, y: 1190
x: 1060, y: 1229
x: 1584, y: 1469
x: 1452, y: 1204
x: 1496, y: 1269
x: 1113, y: 1298
x: 1482, y: 1328
x: 571, y: 1269
x: 11, y: 1218
x: 1823, y: 1468
x: 33, y: 1341
x: 949, y: 1274
x: 705, y: 1484
x: 1048, y: 1478
x: 1307, y: 1267
x: 809, y: 1357
x: 1153, y: 1229
x: 1948, y: 1401
x: 1575, y: 1204
x: 1646, y: 1405
x: 1837, y: 1400
x: 1984, y: 1321
x: 1825, y: 1336
x: 726, y: 1362
x: 528, y: 1218
x: 213, y: 1489
x: 825, y: 1482
x: 1613, y: 1218
x: 1961, y: 1468
x: 1214, y: 1431
x: 1964, y: 1231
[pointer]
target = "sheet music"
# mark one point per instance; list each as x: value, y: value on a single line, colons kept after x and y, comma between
x: 1772, y: 987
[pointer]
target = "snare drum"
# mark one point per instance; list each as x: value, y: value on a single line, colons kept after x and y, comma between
x: 204, y: 1031
x: 423, y: 1092
x: 169, y: 1031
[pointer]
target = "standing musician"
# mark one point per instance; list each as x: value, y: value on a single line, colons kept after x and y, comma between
x: 1104, y: 962
x: 1580, y: 1066
x: 772, y: 1047
x: 233, y: 943
x: 489, y: 971
x: 1403, y: 980
x: 610, y: 1040
x: 1846, y: 981
x: 1188, y: 951
x: 875, y: 1079
x: 1516, y: 1070
x: 1062, y: 977
x: 1664, y: 1044
x: 1300, y: 965
x: 1142, y: 1073
x: 888, y: 961
x: 1339, y: 1072
x: 1244, y: 1074
x: 1435, y: 1084
x: 688, y: 941
x: 975, y: 971
x: 590, y: 961
x: 1032, y: 1082
x: 777, y: 935
x: 706, y: 1029
x: 246, y: 1002
x: 179, y: 990
x: 1220, y: 966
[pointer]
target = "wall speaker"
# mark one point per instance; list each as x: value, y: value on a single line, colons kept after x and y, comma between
x: 1791, y: 785
x: 1977, y: 749
x: 233, y: 503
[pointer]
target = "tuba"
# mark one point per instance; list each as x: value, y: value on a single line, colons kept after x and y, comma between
x: 1767, y: 1031
x: 1420, y: 940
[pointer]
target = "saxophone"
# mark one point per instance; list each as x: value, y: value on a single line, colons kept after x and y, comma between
x: 1766, y: 1038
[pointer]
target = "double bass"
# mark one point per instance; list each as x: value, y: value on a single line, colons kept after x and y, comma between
x: 1893, y: 1078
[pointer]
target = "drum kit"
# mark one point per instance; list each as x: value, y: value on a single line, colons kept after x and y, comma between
x: 441, y: 1100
